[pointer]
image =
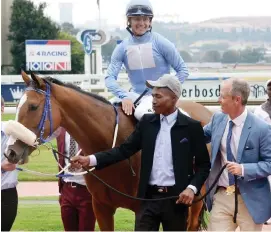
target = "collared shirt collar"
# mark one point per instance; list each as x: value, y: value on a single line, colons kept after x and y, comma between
x: 171, y: 117
x: 240, y: 119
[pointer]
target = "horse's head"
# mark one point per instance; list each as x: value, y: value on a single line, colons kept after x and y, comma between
x: 38, y: 112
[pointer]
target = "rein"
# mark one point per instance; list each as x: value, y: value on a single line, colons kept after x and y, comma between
x: 47, y: 112
x: 63, y: 169
x: 59, y: 175
x: 165, y: 198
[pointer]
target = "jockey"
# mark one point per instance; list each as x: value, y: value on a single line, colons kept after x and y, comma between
x: 145, y: 55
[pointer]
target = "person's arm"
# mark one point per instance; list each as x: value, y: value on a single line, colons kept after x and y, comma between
x: 202, y: 159
x: 113, y: 72
x: 7, y: 166
x: 170, y: 53
x: 262, y: 168
x: 207, y: 129
x: 105, y: 158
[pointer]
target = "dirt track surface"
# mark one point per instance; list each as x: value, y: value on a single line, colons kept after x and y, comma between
x: 29, y: 189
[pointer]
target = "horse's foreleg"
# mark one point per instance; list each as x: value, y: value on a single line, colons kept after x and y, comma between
x: 104, y: 215
x: 193, y: 216
x: 194, y: 213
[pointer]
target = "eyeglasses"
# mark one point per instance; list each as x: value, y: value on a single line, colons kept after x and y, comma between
x: 139, y: 10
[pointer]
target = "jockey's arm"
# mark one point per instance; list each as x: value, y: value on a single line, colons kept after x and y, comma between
x: 113, y: 72
x: 170, y: 53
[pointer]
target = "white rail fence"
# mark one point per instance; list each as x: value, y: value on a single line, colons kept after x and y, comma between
x: 200, y: 87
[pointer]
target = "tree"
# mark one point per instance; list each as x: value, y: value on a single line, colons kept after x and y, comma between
x: 108, y: 48
x: 28, y: 22
x: 77, y: 53
x: 186, y: 56
x: 250, y: 55
x: 267, y: 59
x: 211, y: 56
x: 69, y: 28
x: 230, y: 56
x: 217, y: 46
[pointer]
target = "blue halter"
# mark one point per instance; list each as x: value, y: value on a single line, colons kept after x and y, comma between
x: 47, y: 111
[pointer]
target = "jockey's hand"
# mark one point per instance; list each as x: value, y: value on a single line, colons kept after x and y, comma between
x: 186, y: 197
x: 127, y: 106
x: 80, y: 161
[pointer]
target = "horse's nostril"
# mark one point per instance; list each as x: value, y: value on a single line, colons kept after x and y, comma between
x: 11, y: 156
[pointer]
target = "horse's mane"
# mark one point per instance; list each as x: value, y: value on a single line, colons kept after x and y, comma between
x: 50, y: 80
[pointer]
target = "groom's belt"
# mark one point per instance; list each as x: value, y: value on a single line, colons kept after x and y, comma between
x: 230, y: 189
x: 161, y: 189
x: 74, y: 185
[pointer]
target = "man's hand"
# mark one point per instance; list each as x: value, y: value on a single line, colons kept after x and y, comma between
x: 127, y: 106
x: 234, y: 168
x: 7, y: 166
x: 186, y: 197
x: 79, y: 161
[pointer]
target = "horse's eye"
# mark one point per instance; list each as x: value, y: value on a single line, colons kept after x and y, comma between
x: 33, y: 107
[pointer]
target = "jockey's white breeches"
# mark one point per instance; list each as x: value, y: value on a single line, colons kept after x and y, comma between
x: 143, y: 107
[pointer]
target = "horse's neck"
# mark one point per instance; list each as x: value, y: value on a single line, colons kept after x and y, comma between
x: 89, y: 121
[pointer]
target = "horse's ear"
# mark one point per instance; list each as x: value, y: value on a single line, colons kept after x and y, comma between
x: 39, y: 82
x: 26, y: 78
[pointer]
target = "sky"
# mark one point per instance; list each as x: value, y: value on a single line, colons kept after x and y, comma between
x: 182, y: 10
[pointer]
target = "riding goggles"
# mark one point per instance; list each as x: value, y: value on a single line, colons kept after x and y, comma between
x: 139, y: 10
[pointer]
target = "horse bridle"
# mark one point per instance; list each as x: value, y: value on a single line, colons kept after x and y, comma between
x: 47, y: 112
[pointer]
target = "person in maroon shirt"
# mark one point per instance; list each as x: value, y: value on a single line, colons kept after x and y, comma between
x: 75, y: 200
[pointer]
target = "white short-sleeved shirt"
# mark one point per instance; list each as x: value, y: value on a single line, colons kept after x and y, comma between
x: 259, y: 112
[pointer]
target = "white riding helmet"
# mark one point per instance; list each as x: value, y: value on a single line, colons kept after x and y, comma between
x: 139, y: 8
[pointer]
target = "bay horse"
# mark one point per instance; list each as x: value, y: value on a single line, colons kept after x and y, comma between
x: 90, y: 119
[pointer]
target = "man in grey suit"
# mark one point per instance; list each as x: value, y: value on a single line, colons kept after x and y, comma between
x: 243, y: 141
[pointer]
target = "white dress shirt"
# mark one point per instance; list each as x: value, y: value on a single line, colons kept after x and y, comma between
x: 236, y: 134
x: 76, y: 179
x: 162, y: 173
